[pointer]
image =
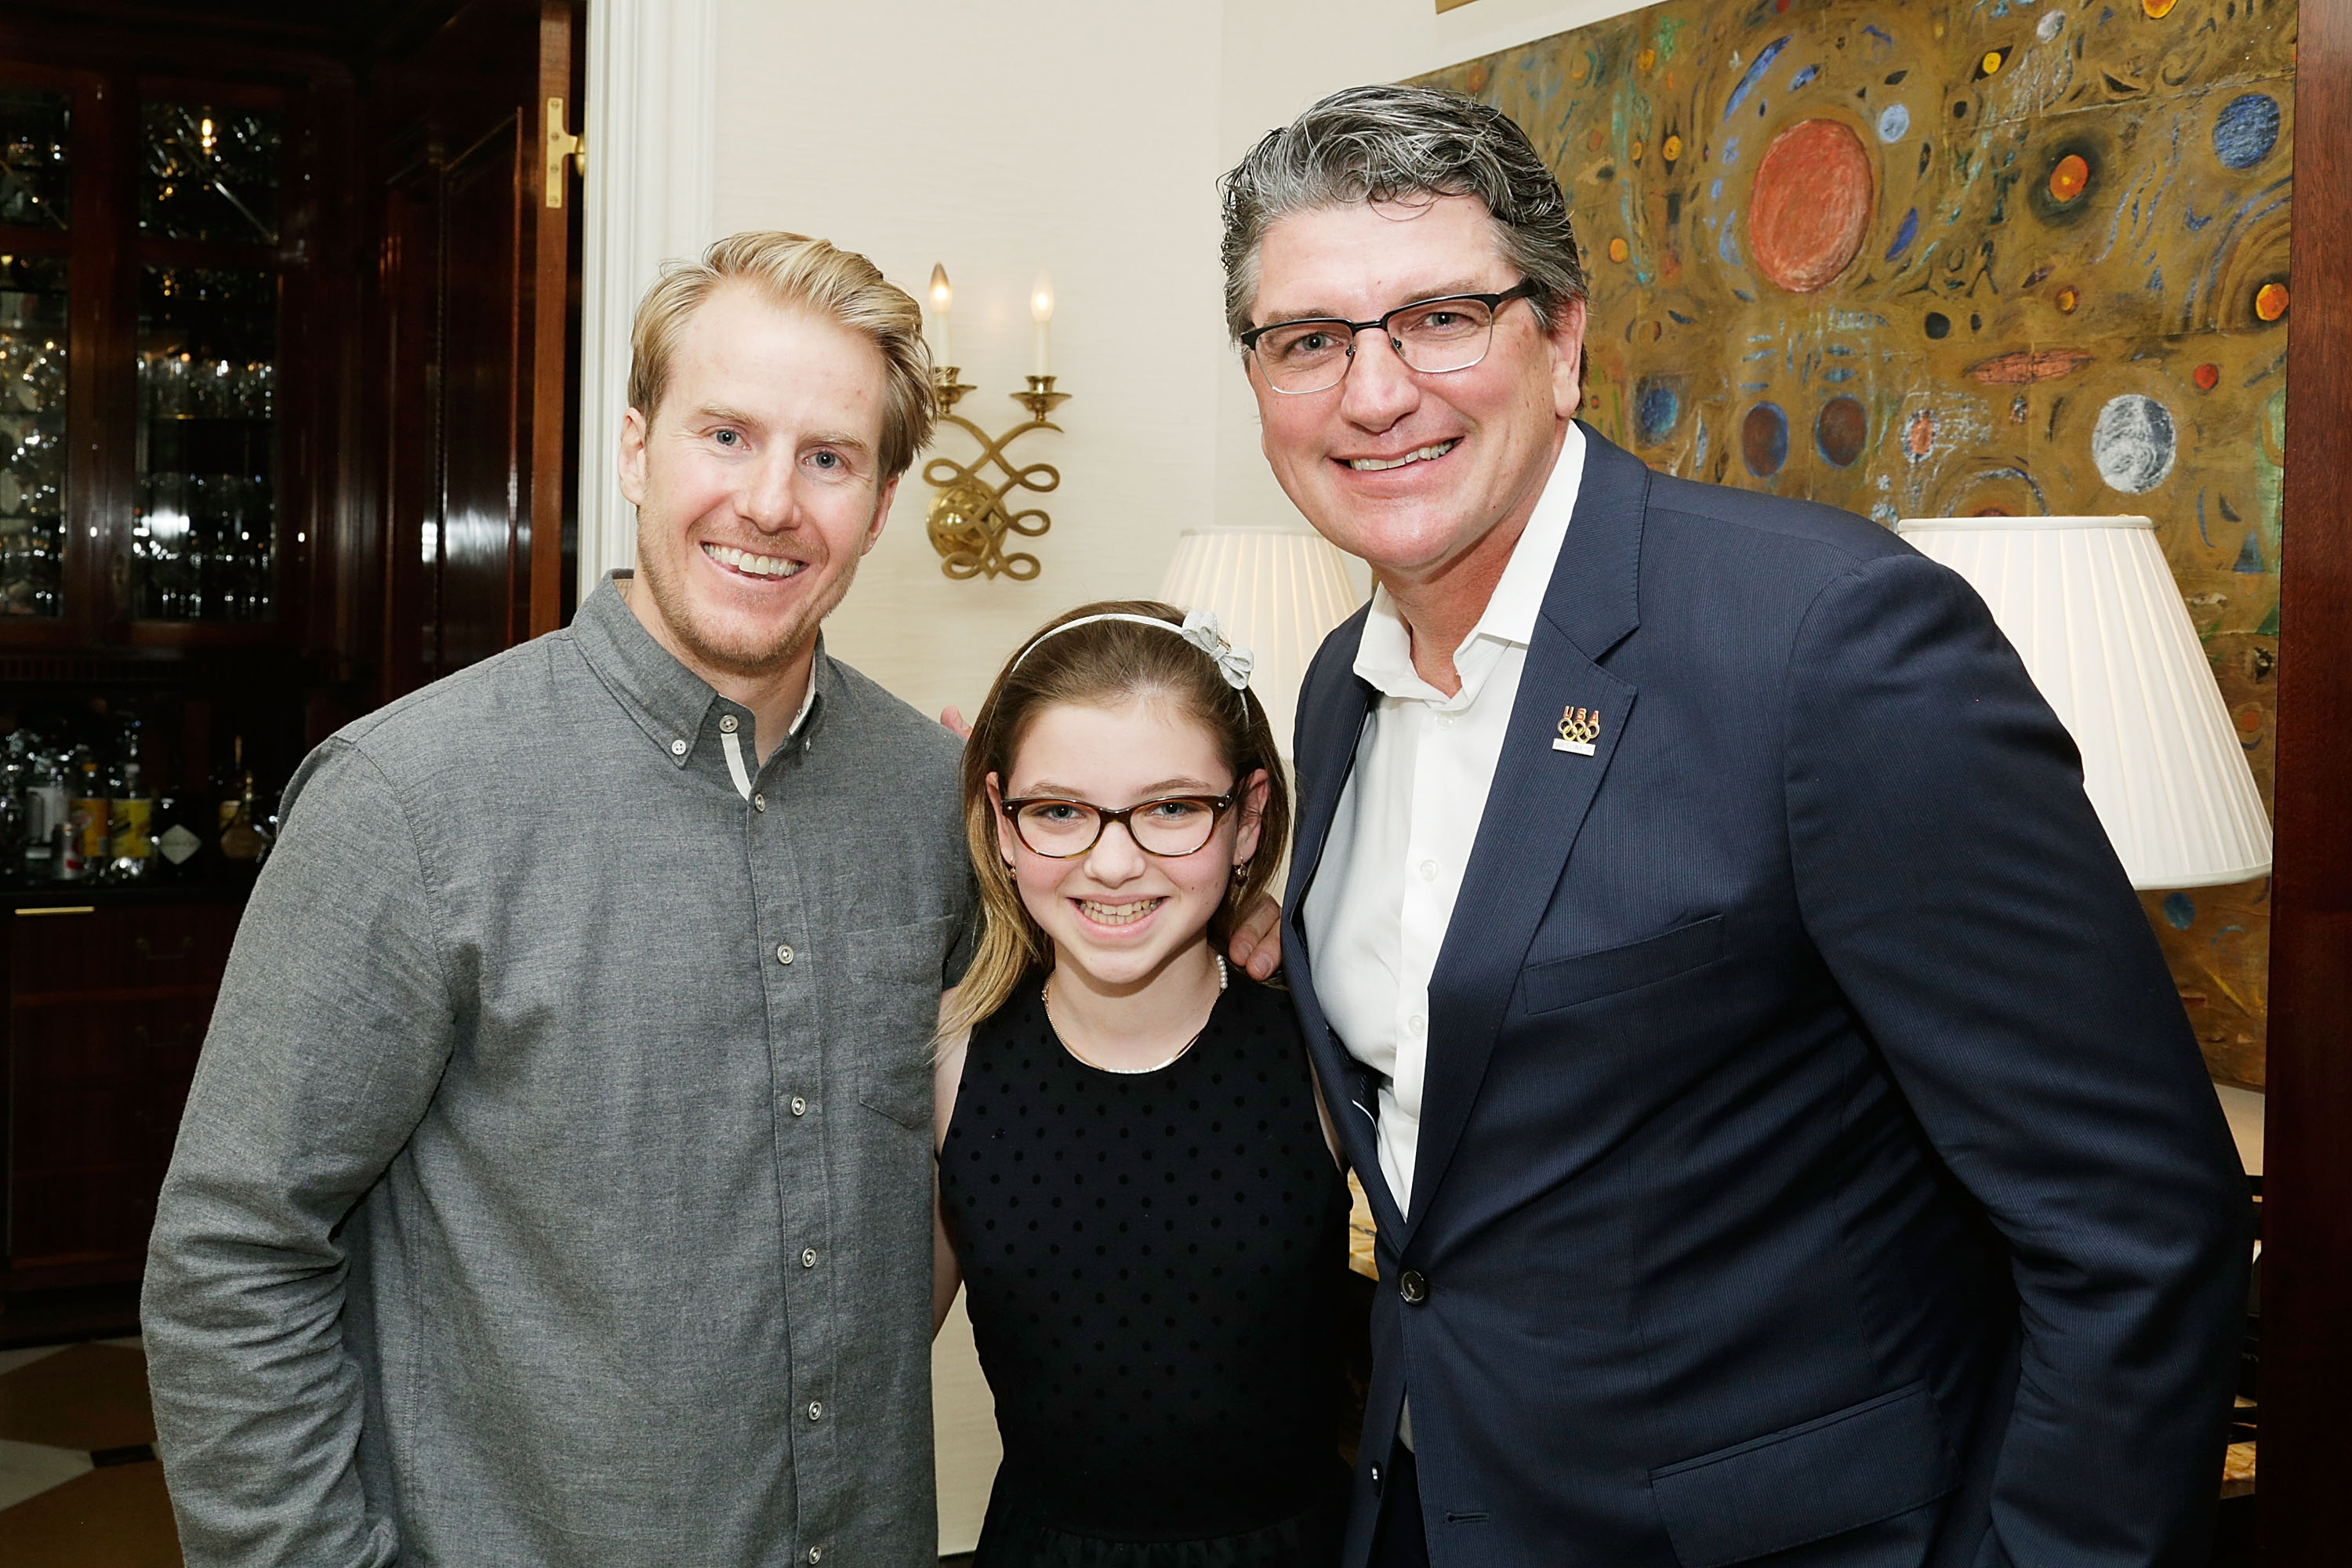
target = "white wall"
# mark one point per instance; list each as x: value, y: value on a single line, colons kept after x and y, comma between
x: 1001, y: 139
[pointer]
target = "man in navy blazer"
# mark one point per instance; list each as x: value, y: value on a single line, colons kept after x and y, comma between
x: 1786, y: 1141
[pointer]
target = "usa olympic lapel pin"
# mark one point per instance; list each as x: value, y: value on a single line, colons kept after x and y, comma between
x: 1580, y: 731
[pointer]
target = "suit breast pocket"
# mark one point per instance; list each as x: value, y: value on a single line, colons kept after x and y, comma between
x: 893, y: 1009
x: 1559, y: 983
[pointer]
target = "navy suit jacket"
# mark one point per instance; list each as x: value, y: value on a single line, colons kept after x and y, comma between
x: 1814, y: 1155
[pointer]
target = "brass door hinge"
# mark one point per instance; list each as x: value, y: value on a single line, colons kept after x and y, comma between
x: 561, y: 144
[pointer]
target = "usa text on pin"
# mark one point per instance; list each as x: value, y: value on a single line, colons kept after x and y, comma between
x: 1580, y: 728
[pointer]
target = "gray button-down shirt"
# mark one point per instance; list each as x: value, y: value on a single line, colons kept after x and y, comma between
x: 555, y: 1185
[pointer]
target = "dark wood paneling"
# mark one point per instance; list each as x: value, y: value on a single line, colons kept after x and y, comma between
x: 115, y: 950
x: 2307, y: 1365
x: 482, y: 383
x: 106, y: 1015
x: 473, y: 288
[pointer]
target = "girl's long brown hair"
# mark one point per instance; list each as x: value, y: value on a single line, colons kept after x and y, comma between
x: 1105, y: 665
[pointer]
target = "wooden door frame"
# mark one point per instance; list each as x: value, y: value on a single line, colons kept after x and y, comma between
x: 2306, y: 1443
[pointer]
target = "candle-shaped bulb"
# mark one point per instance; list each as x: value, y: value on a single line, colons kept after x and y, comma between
x: 941, y: 297
x: 1041, y: 310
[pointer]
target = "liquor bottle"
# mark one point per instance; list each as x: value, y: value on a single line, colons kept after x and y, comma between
x: 12, y: 809
x: 177, y: 843
x: 242, y: 842
x: 86, y: 817
x: 44, y: 813
x: 228, y: 787
x: 130, y: 817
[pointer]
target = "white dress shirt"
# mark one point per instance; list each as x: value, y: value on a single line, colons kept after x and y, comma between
x: 1408, y: 815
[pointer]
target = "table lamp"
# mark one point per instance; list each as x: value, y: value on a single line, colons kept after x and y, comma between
x: 2091, y: 608
x: 1276, y: 594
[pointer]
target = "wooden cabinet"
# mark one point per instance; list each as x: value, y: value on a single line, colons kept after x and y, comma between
x: 289, y: 314
x: 106, y: 1007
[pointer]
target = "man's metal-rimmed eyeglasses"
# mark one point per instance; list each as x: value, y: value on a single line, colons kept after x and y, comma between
x: 1431, y: 336
x: 1172, y: 825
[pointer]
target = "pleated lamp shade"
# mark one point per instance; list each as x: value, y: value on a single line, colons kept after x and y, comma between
x: 1276, y: 594
x: 2091, y: 607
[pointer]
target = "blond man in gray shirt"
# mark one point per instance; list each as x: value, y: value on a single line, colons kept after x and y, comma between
x: 555, y: 1185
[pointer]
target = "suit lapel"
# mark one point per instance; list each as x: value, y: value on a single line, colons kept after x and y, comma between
x: 1537, y: 803
x: 1332, y: 712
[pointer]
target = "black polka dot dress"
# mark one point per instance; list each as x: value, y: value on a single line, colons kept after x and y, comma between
x: 1152, y: 1263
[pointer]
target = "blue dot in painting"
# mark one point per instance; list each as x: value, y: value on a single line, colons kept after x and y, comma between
x: 1803, y: 77
x: 1747, y: 84
x: 1905, y: 234
x: 2178, y: 912
x: 1656, y: 409
x: 1894, y: 122
x: 2246, y: 130
x: 1715, y: 190
x: 2249, y: 557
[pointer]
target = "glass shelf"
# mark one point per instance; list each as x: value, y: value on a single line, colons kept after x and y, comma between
x: 31, y: 434
x: 209, y: 173
x: 35, y: 178
x: 204, y: 535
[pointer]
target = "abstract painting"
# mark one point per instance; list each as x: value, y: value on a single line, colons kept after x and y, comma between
x: 1926, y: 258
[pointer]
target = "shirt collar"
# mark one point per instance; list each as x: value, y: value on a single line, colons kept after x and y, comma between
x: 667, y: 700
x: 1384, y: 653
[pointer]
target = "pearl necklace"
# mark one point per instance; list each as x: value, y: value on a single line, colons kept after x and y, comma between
x: 1045, y: 993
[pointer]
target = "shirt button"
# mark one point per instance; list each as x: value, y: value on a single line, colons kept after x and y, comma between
x: 816, y: 1407
x: 1416, y: 1024
x: 783, y: 953
x: 758, y: 803
x: 726, y: 723
x: 816, y: 1553
x: 677, y: 748
x: 1413, y: 1285
x: 808, y: 1257
x: 799, y: 1106
x: 1429, y: 871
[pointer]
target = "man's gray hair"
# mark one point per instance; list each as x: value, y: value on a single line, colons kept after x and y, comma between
x: 1401, y: 143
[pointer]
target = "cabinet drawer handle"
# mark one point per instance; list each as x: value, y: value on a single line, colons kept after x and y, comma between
x: 146, y: 950
x: 58, y: 909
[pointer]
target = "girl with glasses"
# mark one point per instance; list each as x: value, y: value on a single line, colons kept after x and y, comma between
x: 1134, y: 1183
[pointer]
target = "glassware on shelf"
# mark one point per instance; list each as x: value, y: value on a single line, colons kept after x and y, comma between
x: 36, y: 170
x: 204, y: 534
x: 210, y: 171
x: 31, y: 434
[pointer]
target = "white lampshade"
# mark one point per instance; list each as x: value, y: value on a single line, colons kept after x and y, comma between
x: 2091, y: 607
x: 1276, y: 594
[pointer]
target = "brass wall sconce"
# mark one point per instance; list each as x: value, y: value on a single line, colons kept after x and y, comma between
x: 971, y: 518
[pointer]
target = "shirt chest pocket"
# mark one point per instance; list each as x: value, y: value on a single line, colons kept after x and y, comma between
x: 896, y: 974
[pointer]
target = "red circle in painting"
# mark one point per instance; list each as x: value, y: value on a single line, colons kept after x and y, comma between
x: 2070, y: 177
x: 2207, y: 376
x: 1809, y: 205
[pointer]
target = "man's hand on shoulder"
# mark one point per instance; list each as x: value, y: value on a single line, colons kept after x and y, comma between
x: 952, y: 717
x: 1257, y: 940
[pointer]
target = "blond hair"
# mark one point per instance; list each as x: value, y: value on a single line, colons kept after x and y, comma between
x: 1104, y: 664
x: 793, y: 270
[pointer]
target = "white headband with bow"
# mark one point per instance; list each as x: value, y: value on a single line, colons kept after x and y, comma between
x: 1200, y: 629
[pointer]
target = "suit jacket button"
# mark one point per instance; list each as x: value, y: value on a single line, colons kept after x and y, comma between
x: 1376, y: 1480
x: 1413, y: 1285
